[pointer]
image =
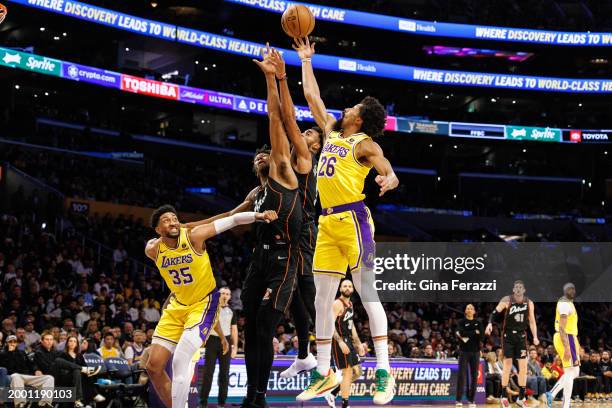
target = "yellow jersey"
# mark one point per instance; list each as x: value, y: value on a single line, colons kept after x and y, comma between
x: 566, y: 307
x: 340, y: 175
x: 187, y: 272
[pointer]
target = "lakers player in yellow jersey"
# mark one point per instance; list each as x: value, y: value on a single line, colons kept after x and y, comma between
x: 345, y: 240
x: 566, y: 345
x: 192, y: 310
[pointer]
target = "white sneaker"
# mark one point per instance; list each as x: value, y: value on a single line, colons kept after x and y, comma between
x: 330, y: 399
x: 504, y: 403
x: 458, y: 404
x: 99, y: 398
x: 299, y: 366
x: 472, y: 405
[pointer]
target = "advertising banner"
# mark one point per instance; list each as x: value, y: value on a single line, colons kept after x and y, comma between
x: 91, y: 75
x: 30, y: 62
x: 250, y: 49
x: 417, y: 382
x: 432, y: 28
x: 533, y: 133
x: 477, y: 130
x: 149, y: 87
x: 587, y: 136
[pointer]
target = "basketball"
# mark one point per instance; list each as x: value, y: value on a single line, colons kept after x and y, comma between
x: 3, y: 12
x: 297, y: 21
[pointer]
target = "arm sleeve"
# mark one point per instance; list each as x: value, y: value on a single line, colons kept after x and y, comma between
x: 230, y: 222
x: 234, y: 319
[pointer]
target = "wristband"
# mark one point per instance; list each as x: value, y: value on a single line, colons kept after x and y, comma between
x: 305, y: 59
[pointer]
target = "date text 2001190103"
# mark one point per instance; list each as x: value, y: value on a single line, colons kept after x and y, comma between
x: 30, y: 394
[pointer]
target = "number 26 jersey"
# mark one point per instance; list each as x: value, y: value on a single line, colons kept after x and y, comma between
x: 340, y: 175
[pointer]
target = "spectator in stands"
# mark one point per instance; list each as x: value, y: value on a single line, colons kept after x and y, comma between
x: 133, y: 352
x: 493, y: 375
x: 535, y: 380
x: 8, y: 327
x: 428, y: 351
x: 605, y: 366
x: 21, y: 342
x: 393, y: 349
x: 151, y: 311
x: 108, y: 348
x: 71, y: 371
x: 83, y: 316
x: 31, y: 336
x: 24, y: 372
x: 592, y: 368
x: 548, y: 372
x: 293, y: 350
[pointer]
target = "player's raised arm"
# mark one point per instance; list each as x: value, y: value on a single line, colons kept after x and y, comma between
x: 370, y: 152
x: 280, y: 155
x: 304, y: 158
x: 311, y: 88
x: 201, y: 233
x: 532, y: 323
x: 246, y: 205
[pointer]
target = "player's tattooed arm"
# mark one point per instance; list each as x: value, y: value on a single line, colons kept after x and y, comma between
x: 501, y: 306
x: 246, y: 205
x: 151, y: 248
x: 312, y: 93
x: 303, y: 159
x: 532, y: 323
x: 369, y: 152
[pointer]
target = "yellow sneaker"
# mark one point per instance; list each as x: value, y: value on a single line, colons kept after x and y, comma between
x: 385, y: 387
x: 319, y: 385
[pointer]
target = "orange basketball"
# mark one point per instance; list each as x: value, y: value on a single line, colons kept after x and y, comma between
x: 297, y: 21
x: 3, y: 12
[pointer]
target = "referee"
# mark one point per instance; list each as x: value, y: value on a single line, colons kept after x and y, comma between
x: 469, y: 331
x: 214, y: 351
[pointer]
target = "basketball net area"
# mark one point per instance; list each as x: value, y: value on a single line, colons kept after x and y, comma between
x: 3, y: 12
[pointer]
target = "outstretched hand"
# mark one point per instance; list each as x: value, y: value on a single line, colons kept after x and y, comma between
x: 386, y: 183
x: 279, y: 63
x: 266, y: 64
x: 267, y: 216
x: 303, y: 47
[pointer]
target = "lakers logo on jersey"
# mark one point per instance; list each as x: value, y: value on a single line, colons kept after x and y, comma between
x: 205, y: 331
x: 340, y: 175
x: 187, y: 273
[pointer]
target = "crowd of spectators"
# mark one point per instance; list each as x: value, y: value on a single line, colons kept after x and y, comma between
x: 55, y: 286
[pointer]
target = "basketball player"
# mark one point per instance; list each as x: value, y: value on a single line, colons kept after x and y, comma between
x: 518, y: 315
x: 304, y: 154
x: 180, y: 255
x: 566, y: 345
x: 271, y: 276
x: 346, y: 345
x: 346, y: 231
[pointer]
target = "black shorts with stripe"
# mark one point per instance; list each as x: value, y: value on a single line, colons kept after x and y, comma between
x: 514, y: 344
x: 342, y: 360
x: 271, y: 277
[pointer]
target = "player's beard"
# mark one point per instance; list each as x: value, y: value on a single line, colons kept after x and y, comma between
x: 263, y: 171
x: 347, y: 294
x: 338, y: 124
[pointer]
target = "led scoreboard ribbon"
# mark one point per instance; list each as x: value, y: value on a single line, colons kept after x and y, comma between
x: 128, y: 83
x: 435, y: 29
x: 250, y: 49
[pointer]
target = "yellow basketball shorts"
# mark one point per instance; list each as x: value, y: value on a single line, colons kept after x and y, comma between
x: 574, y: 347
x: 177, y: 317
x: 345, y: 240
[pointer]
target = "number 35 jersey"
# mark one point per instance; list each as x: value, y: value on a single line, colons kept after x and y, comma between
x: 340, y: 176
x: 187, y: 272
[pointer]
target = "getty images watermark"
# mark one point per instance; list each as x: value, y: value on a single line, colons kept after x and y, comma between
x: 485, y: 272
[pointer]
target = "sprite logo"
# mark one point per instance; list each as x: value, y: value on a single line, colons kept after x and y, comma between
x: 30, y: 62
x: 533, y: 133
